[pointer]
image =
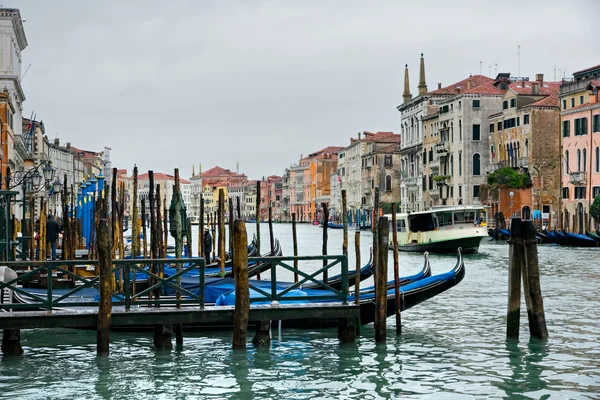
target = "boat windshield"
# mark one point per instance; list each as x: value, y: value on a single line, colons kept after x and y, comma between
x: 421, y: 222
x: 462, y: 217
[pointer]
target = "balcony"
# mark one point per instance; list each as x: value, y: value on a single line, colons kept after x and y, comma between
x: 442, y: 148
x: 578, y: 178
x: 434, y: 194
x: 410, y: 181
x: 434, y: 165
x: 523, y: 162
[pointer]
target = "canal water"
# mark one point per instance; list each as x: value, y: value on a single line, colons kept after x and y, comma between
x: 452, y: 346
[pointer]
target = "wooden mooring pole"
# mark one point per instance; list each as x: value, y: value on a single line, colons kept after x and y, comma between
x: 295, y: 242
x: 396, y: 271
x: 271, y: 237
x: 523, y: 263
x: 179, y: 232
x: 381, y: 287
x: 242, y: 291
x: 357, y: 280
x: 201, y: 249
x: 515, y: 258
x: 106, y: 280
x: 230, y: 225
x: 375, y: 233
x: 325, y: 225
x: 222, y: 231
x: 257, y: 243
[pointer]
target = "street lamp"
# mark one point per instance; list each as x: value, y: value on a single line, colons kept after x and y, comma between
x: 510, y: 204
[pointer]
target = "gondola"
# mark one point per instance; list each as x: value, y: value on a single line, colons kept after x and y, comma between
x: 593, y: 236
x: 578, y: 240
x: 336, y: 280
x: 411, y: 294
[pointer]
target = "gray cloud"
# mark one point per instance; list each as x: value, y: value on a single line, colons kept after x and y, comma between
x: 168, y: 84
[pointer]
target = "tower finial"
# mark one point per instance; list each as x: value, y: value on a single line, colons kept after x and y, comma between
x: 422, y: 85
x: 406, y: 96
x: 193, y: 173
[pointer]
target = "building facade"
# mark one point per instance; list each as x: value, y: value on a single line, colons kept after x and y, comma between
x: 580, y: 123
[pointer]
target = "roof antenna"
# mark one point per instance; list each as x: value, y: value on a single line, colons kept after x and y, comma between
x: 480, y: 67
x: 237, y: 167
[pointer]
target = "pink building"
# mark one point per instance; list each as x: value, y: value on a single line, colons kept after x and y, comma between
x: 580, y: 135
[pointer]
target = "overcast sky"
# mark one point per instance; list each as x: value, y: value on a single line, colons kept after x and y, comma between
x: 174, y: 83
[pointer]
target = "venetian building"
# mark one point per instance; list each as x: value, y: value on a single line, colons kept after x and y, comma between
x: 580, y: 148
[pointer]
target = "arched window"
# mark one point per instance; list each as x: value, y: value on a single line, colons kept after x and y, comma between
x: 567, y: 162
x: 584, y: 167
x: 388, y: 183
x: 492, y: 154
x: 460, y: 130
x: 476, y: 165
x: 597, y: 159
x: 578, y: 160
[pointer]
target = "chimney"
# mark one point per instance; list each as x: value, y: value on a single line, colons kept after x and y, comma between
x: 68, y: 145
x: 539, y: 78
x: 439, y: 85
x: 457, y: 89
x: 468, y: 84
x: 359, y: 136
x: 56, y: 141
x: 535, y: 88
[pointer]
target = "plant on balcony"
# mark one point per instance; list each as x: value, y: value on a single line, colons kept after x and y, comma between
x: 508, y: 177
x: 440, y: 178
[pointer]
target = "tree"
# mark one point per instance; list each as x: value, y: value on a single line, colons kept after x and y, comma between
x: 595, y: 210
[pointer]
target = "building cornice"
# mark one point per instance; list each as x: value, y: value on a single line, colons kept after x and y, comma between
x: 417, y: 100
x: 586, y: 108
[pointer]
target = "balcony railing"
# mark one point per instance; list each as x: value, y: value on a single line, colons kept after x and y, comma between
x: 523, y: 162
x: 434, y: 165
x: 578, y: 178
x: 410, y: 181
x: 434, y: 193
x: 442, y: 147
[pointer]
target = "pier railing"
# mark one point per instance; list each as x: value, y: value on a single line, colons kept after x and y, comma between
x: 149, y: 286
x: 286, y: 294
x: 123, y: 271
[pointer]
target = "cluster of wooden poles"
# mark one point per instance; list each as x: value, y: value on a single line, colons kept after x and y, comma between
x: 523, y: 264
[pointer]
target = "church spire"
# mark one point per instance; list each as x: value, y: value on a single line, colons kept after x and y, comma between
x: 422, y: 84
x: 406, y: 96
x: 193, y: 173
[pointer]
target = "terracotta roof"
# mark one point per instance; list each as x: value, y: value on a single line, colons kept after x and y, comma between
x: 390, y: 149
x: 122, y: 171
x: 466, y: 84
x: 581, y: 106
x: 85, y: 153
x: 216, y: 171
x: 333, y: 150
x: 525, y: 87
x: 548, y: 101
x: 159, y: 176
x: 498, y: 114
x: 587, y: 69
x: 485, y: 89
x: 595, y: 83
x: 381, y: 137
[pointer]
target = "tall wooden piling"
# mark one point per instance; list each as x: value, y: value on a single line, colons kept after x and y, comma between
x: 176, y: 203
x: 257, y: 243
x: 66, y: 242
x: 230, y: 224
x: 159, y: 230
x: 396, y: 270
x: 135, y: 233
x: 239, y: 207
x: 42, y: 230
x: 345, y: 224
x: 515, y: 258
x: 32, y: 228
x: 375, y: 233
x: 325, y: 225
x: 271, y: 238
x: 358, y: 266
x: 114, y: 213
x: 295, y: 242
x: 188, y: 236
x: 165, y: 241
x: 222, y: 231
x: 214, y: 233
x: 242, y: 291
x: 381, y: 286
x: 106, y: 280
x: 201, y: 229
x: 153, y: 238
x: 536, y: 314
x: 144, y: 230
